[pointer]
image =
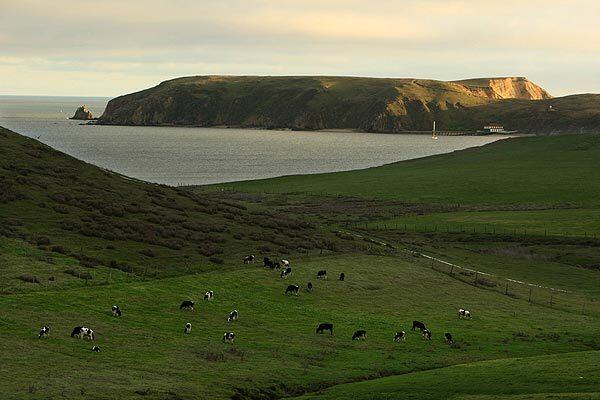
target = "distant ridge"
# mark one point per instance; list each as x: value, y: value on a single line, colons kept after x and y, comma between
x: 367, y: 104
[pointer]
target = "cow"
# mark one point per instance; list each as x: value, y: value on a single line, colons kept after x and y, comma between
x: 420, y: 325
x: 188, y: 328
x: 233, y: 316
x: 426, y: 334
x: 325, y: 327
x: 44, y: 332
x: 358, y: 335
x: 249, y: 259
x: 286, y: 272
x: 309, y: 286
x: 342, y: 276
x: 116, y: 311
x: 462, y: 313
x: 276, y: 265
x: 322, y: 274
x: 448, y: 337
x: 96, y: 349
x: 209, y: 295
x: 187, y: 305
x: 295, y: 289
x: 400, y: 336
x: 83, y: 333
x: 268, y: 263
x: 285, y: 263
x: 228, y: 337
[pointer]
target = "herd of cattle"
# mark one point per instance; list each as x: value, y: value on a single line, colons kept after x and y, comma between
x: 82, y: 332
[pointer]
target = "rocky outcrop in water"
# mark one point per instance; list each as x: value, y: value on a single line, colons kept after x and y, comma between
x: 82, y: 113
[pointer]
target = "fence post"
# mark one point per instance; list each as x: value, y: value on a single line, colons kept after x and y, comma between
x: 506, y: 290
x: 529, y: 295
x: 476, y: 275
x: 451, y: 269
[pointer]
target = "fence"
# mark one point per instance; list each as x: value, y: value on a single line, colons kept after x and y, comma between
x: 531, y: 292
x: 486, y: 229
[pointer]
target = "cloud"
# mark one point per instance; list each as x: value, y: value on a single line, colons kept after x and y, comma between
x: 152, y: 40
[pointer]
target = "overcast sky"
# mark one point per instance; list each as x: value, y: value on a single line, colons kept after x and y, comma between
x: 111, y: 47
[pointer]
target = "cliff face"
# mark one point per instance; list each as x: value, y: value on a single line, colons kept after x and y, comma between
x: 310, y: 103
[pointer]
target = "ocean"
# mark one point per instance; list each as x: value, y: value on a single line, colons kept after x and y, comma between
x: 198, y: 156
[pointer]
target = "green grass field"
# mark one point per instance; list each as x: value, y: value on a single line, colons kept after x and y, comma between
x: 74, y: 240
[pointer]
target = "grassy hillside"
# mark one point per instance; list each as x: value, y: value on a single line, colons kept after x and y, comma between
x: 276, y: 352
x: 520, y: 378
x: 529, y: 170
x: 67, y: 207
x: 369, y: 104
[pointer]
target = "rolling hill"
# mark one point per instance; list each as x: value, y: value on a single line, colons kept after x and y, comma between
x: 369, y: 104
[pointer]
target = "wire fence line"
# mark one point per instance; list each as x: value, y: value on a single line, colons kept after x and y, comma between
x: 533, y: 293
x: 489, y: 229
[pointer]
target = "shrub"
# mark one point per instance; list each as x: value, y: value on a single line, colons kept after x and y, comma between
x: 59, y: 249
x: 216, y: 260
x: 147, y: 252
x: 28, y: 278
x: 79, y: 274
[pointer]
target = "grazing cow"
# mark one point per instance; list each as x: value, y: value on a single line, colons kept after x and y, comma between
x: 325, y: 327
x: 249, y: 259
x: 116, y: 311
x: 285, y: 263
x: 359, y: 335
x: 44, y: 332
x: 268, y: 263
x: 228, y: 337
x: 209, y: 295
x: 400, y: 336
x: 83, y: 333
x: 309, y: 287
x: 96, y: 349
x: 188, y: 328
x: 187, y: 305
x: 448, y: 337
x: 342, y: 276
x: 233, y: 316
x: 426, y: 334
x: 286, y: 272
x: 295, y: 289
x: 322, y: 274
x: 420, y: 325
x: 464, y: 314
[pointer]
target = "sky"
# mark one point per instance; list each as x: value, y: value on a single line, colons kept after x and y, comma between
x: 112, y: 47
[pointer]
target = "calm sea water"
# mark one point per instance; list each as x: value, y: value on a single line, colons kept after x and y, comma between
x: 198, y: 156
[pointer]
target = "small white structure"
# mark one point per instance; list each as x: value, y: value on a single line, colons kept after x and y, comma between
x: 493, y: 128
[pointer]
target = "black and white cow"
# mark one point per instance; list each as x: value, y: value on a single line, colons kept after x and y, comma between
x: 342, y: 276
x: 249, y: 259
x: 188, y: 328
x: 294, y: 289
x: 208, y: 296
x: 82, y: 332
x: 448, y: 337
x: 233, y: 316
x: 187, y: 305
x: 309, y: 286
x: 228, y: 337
x: 418, y: 324
x: 116, y: 311
x: 400, y: 336
x: 325, y: 327
x: 426, y: 334
x: 462, y: 313
x: 267, y: 263
x: 286, y: 272
x: 96, y: 349
x: 44, y: 332
x: 358, y: 335
x: 322, y: 274
x: 285, y: 263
